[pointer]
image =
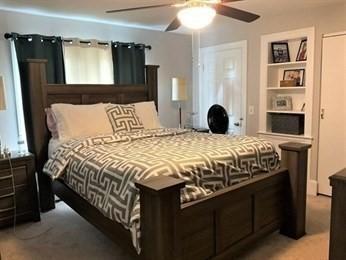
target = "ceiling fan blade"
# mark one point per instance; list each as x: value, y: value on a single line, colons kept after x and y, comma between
x: 175, y: 24
x: 137, y: 8
x: 235, y: 13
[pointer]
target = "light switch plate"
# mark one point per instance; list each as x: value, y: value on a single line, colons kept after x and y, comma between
x: 251, y: 110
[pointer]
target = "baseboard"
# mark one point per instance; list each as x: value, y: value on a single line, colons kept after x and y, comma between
x: 312, y: 187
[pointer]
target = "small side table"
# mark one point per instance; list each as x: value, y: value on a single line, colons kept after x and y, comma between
x: 25, y: 193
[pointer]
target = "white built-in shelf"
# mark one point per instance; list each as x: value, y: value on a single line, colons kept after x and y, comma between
x: 270, y: 76
x: 284, y: 64
x: 306, y: 137
x: 286, y: 88
x: 286, y: 112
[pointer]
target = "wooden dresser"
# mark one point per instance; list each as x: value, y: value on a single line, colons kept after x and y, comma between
x: 25, y: 193
x: 337, y: 246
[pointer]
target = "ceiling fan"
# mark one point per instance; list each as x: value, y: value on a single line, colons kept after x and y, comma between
x: 196, y: 14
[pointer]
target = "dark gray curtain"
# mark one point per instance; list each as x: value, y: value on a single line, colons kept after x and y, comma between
x: 42, y: 47
x: 128, y: 63
x: 50, y: 49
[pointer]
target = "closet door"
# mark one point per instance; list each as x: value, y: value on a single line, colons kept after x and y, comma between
x: 332, y: 140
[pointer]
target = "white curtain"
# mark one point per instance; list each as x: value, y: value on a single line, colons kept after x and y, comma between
x: 88, y: 62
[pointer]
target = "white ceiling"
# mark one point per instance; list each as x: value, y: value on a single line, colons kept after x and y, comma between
x: 156, y: 19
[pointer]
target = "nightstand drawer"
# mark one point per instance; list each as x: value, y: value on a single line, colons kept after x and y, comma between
x: 20, y: 177
x: 23, y: 199
x: 6, y: 213
x: 6, y: 199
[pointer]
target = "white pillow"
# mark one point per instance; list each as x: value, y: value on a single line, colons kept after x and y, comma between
x: 147, y: 113
x: 75, y: 121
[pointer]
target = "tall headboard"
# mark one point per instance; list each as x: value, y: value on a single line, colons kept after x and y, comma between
x: 38, y: 95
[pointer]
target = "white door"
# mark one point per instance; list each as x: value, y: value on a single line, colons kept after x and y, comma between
x: 223, y: 82
x: 332, y: 140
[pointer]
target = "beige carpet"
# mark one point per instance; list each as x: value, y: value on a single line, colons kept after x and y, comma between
x: 68, y: 236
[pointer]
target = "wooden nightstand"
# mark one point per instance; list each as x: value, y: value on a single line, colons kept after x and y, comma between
x: 25, y: 193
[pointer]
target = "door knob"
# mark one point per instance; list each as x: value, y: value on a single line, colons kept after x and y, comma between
x: 237, y: 124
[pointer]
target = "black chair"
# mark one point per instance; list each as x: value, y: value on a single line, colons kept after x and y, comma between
x: 218, y: 120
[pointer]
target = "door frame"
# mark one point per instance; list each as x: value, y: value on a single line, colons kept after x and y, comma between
x: 228, y: 46
x: 319, y: 178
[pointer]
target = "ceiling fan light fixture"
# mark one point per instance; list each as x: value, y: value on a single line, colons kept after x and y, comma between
x: 196, y: 17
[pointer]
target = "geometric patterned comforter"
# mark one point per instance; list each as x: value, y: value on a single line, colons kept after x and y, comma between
x: 103, y: 169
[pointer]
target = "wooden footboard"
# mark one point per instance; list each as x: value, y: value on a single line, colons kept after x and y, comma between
x: 220, y: 225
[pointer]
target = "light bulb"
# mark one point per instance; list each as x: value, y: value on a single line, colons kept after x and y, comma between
x: 196, y: 17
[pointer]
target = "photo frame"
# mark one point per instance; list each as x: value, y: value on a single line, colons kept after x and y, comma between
x: 283, y: 103
x: 303, y: 50
x: 280, y: 52
x: 298, y: 75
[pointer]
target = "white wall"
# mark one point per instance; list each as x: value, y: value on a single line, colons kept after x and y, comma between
x: 169, y: 50
x: 325, y: 20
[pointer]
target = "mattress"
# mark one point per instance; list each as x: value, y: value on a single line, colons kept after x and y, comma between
x: 103, y: 169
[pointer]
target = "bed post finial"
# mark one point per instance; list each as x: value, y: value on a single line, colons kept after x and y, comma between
x: 294, y: 157
x: 151, y: 72
x: 160, y: 207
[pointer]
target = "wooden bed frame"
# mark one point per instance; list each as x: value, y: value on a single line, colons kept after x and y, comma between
x: 216, y: 227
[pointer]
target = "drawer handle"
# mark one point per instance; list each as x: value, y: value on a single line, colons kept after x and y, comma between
x: 5, y: 210
x: 6, y: 177
x: 7, y: 195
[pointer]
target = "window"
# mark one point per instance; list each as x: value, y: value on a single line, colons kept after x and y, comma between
x: 88, y: 62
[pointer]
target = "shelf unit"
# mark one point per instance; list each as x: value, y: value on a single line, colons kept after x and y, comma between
x: 272, y: 73
x: 286, y: 112
x: 284, y: 64
x: 287, y: 88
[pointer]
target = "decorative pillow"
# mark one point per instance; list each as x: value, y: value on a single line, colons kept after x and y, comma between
x: 51, y: 123
x: 147, y: 114
x: 74, y: 121
x: 123, y: 118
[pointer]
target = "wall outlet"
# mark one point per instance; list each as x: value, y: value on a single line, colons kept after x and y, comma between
x: 251, y: 110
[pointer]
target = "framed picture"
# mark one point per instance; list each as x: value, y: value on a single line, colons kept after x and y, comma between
x: 282, y: 103
x: 302, y: 52
x: 280, y: 52
x: 295, y: 74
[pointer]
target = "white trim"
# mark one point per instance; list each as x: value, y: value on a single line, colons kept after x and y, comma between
x: 312, y: 187
x: 334, y: 34
x: 303, y: 137
x: 243, y: 46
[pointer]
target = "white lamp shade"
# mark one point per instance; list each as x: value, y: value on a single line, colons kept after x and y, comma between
x: 2, y: 94
x: 179, y: 89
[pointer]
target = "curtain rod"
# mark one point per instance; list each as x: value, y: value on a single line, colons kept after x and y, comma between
x: 129, y: 44
x: 54, y: 38
x: 29, y: 37
x: 86, y: 42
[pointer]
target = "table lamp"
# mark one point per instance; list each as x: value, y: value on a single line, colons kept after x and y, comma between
x: 179, y: 93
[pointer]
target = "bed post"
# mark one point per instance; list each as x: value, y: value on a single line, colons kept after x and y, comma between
x: 160, y: 207
x: 151, y: 72
x: 294, y: 157
x: 33, y: 78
